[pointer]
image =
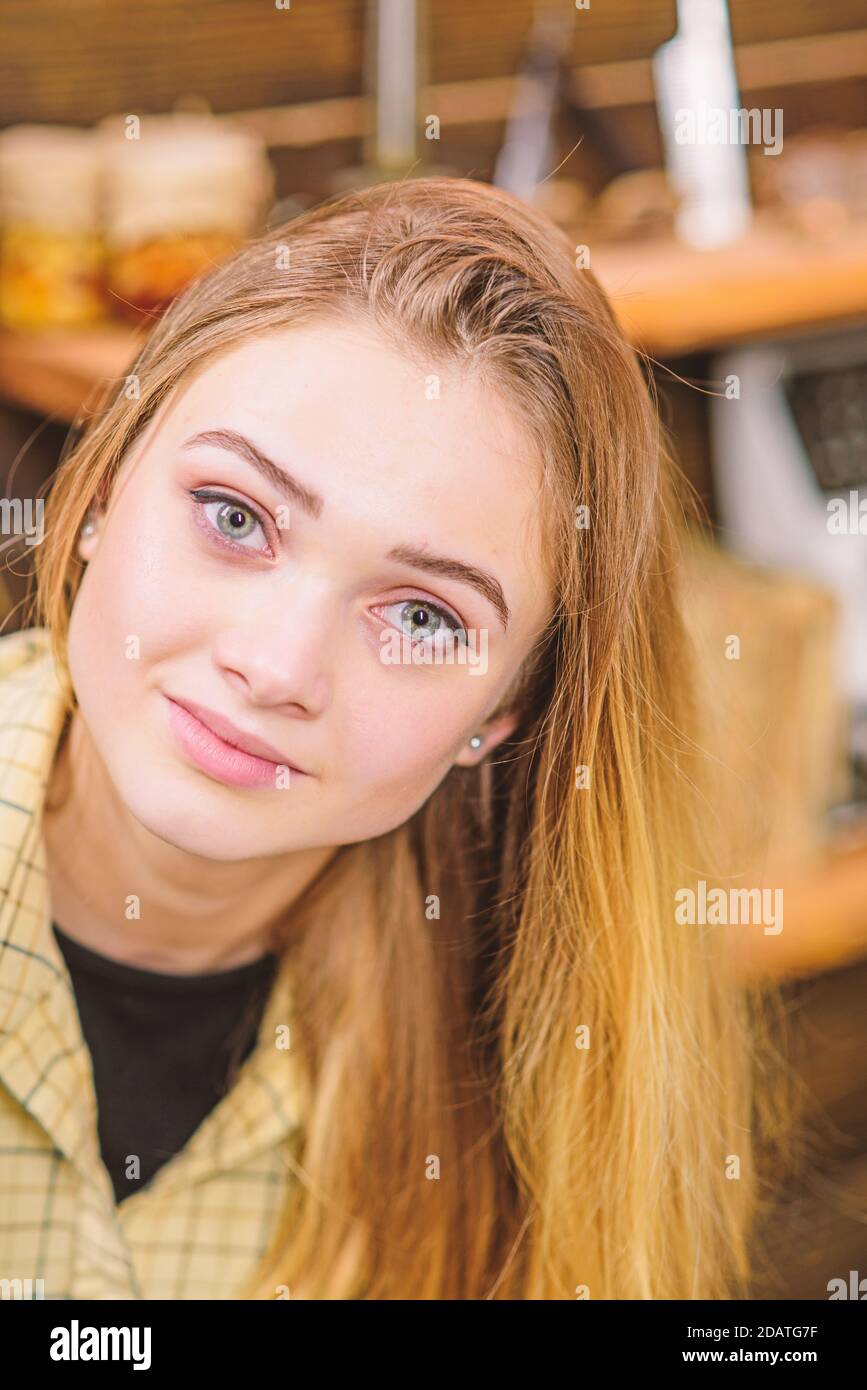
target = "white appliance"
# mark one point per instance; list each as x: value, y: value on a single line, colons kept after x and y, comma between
x: 789, y: 446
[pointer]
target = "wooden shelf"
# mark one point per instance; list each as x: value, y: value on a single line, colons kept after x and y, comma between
x: 670, y: 299
x: 58, y: 372
x: 673, y: 299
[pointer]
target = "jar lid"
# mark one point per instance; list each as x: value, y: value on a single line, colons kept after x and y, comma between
x: 182, y: 173
x: 50, y: 175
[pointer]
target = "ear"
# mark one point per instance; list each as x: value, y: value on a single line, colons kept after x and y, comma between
x: 88, y: 542
x: 491, y: 734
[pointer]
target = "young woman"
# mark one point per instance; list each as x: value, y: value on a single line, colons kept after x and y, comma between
x: 372, y: 711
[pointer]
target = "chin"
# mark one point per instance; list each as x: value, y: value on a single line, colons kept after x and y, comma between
x: 203, y: 818
x: 179, y: 813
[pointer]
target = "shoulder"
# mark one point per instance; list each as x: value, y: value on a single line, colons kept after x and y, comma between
x: 30, y: 693
x: 22, y: 647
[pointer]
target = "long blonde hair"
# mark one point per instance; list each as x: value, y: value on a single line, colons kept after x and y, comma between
x: 535, y: 1091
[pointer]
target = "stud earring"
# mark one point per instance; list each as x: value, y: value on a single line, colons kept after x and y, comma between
x: 476, y: 741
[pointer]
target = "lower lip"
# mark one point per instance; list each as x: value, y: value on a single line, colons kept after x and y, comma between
x: 218, y: 758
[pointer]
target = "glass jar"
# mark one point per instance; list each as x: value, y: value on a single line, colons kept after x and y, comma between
x: 182, y: 191
x: 51, y: 247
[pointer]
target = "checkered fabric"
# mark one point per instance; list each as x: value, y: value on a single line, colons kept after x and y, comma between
x: 199, y: 1227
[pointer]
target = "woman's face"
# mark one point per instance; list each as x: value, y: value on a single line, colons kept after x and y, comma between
x: 280, y: 605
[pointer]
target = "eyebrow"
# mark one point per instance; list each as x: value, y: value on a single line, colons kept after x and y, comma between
x: 279, y: 478
x: 313, y: 505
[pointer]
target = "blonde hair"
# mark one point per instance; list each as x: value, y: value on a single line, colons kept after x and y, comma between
x: 448, y: 1045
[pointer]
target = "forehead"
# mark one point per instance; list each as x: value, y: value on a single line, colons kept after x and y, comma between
x: 345, y: 378
x: 423, y: 451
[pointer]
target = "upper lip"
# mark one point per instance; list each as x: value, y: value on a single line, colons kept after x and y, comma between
x: 230, y: 733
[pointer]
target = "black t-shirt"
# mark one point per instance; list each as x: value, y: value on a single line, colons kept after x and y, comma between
x: 165, y: 1050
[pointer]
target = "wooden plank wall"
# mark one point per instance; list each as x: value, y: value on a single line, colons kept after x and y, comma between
x: 78, y: 61
x: 84, y: 59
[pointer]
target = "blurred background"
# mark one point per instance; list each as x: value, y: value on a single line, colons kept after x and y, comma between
x: 709, y: 162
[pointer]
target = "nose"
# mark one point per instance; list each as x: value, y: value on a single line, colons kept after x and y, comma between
x: 278, y: 656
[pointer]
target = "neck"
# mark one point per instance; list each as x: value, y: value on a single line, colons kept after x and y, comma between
x: 197, y: 914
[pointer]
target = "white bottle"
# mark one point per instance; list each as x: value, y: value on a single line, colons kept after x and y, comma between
x: 695, y: 75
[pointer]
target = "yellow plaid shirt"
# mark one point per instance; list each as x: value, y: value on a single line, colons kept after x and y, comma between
x: 201, y: 1224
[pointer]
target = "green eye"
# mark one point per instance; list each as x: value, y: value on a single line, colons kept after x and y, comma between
x: 234, y: 521
x: 423, y: 621
x: 230, y: 519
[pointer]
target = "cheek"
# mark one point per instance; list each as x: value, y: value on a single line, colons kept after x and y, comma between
x: 139, y: 584
x: 399, y: 743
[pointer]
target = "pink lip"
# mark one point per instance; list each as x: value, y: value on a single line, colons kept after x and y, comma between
x: 218, y: 748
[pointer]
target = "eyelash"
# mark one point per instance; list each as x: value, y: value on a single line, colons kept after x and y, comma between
x: 454, y: 624
x: 205, y: 496
x: 202, y: 497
